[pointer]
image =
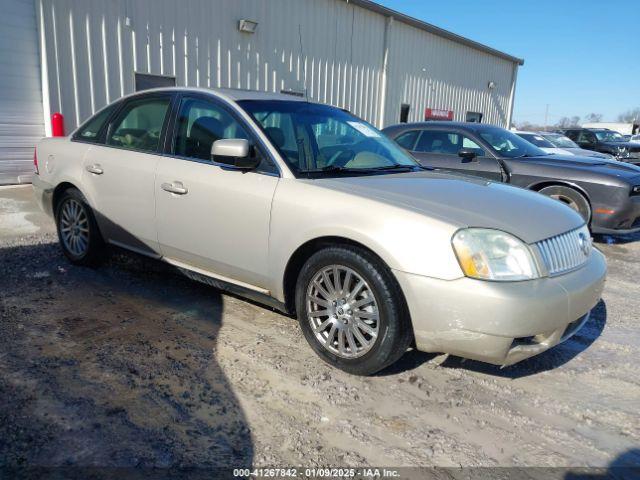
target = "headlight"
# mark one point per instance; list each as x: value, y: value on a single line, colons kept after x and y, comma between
x: 493, y: 255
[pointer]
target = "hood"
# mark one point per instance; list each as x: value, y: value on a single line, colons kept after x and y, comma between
x: 602, y: 166
x: 465, y: 202
x: 632, y: 147
x: 587, y: 153
x: 556, y: 150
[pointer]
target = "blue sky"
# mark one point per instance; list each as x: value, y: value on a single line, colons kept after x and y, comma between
x: 580, y: 57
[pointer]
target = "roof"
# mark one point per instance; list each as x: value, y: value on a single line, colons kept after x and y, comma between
x: 230, y: 93
x: 437, y: 123
x: 414, y: 22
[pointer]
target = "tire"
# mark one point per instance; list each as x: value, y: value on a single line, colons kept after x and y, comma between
x: 570, y: 197
x: 78, y: 232
x: 364, y: 349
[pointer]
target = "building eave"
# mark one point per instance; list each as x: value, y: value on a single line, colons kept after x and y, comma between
x: 427, y: 27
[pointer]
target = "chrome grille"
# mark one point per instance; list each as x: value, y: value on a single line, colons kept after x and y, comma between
x: 565, y: 252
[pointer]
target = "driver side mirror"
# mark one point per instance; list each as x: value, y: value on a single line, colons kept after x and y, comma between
x: 468, y: 155
x: 234, y: 152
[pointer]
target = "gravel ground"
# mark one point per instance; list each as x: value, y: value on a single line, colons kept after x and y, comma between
x: 134, y: 365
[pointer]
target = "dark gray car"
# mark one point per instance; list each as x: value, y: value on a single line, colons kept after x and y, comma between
x: 606, y: 193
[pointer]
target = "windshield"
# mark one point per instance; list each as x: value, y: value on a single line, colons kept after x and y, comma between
x: 537, y: 140
x: 321, y: 139
x: 609, y: 136
x: 508, y: 144
x: 561, y: 141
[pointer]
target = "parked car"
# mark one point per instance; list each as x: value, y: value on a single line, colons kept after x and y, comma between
x: 605, y: 141
x: 540, y: 142
x: 635, y: 139
x: 569, y: 147
x: 313, y: 211
x: 605, y: 193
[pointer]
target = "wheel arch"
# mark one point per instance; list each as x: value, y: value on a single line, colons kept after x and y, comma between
x: 58, y: 191
x: 304, y: 251
x: 560, y: 183
x: 536, y: 187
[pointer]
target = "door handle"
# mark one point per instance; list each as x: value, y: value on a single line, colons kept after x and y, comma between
x: 96, y: 169
x: 176, y: 187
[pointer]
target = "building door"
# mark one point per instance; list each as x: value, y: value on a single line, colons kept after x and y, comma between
x: 21, y: 120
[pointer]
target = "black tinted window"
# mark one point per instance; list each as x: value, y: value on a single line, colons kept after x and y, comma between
x: 139, y: 125
x: 408, y: 139
x: 91, y: 130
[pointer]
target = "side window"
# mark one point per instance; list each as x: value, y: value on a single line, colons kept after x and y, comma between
x: 468, y: 143
x: 443, y: 142
x: 139, y: 124
x: 201, y: 123
x: 91, y: 129
x: 408, y: 139
x: 586, y: 137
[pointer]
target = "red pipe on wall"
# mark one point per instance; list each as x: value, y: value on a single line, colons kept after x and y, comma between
x: 57, y: 125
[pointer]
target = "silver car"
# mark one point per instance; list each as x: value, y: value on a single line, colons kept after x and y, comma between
x: 313, y: 211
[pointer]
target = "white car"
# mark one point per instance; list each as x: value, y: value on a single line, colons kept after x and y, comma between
x: 540, y: 142
x: 313, y: 211
x: 558, y: 144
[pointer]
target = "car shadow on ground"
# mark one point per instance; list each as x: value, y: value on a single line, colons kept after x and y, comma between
x: 625, y: 466
x: 616, y: 239
x: 549, y: 360
x: 112, y: 368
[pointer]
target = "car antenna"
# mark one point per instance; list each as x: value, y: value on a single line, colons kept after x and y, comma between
x: 304, y: 86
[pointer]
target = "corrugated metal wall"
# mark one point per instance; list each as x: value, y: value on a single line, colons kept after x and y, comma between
x: 21, y: 119
x: 426, y: 70
x: 332, y: 47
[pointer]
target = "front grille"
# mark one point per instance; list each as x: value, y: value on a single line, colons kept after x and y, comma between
x: 565, y: 252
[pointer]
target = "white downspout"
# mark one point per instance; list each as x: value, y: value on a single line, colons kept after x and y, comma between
x: 385, y: 72
x: 512, y: 96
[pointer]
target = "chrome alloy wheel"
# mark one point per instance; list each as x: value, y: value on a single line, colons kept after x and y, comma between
x: 343, y: 311
x: 74, y: 227
x: 569, y: 202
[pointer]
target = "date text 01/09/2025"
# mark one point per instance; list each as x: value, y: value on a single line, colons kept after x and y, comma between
x: 315, y: 473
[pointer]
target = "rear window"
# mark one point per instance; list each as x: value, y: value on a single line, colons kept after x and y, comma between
x: 90, y: 131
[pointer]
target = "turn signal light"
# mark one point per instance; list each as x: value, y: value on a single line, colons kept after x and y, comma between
x: 35, y: 161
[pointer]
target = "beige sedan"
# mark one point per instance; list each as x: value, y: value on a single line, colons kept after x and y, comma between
x: 311, y: 210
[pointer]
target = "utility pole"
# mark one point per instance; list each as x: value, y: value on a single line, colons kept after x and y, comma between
x: 546, y: 117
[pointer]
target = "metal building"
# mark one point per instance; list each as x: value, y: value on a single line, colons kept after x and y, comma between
x: 75, y: 56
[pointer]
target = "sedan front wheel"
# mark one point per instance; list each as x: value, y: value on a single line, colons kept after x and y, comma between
x: 351, y: 310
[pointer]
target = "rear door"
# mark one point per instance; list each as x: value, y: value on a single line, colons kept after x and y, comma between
x: 440, y: 148
x: 119, y: 174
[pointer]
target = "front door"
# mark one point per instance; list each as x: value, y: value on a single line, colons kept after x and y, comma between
x: 218, y: 221
x: 119, y: 176
x: 439, y: 149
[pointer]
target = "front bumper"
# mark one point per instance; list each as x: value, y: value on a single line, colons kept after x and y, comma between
x: 501, y: 323
x: 625, y: 219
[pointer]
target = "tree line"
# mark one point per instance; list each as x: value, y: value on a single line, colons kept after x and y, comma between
x: 630, y: 116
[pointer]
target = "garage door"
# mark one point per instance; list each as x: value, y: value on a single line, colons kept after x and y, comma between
x: 21, y: 120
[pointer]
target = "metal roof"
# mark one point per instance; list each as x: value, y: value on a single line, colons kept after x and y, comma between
x: 414, y: 22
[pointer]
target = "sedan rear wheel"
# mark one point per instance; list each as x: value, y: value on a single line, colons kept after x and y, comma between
x: 78, y: 232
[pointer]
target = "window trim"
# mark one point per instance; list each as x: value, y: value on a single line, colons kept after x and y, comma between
x: 168, y: 149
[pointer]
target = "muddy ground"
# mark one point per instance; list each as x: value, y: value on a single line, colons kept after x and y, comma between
x: 134, y: 365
